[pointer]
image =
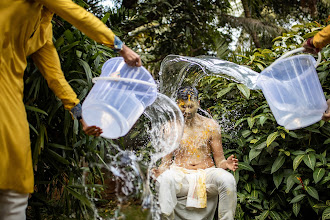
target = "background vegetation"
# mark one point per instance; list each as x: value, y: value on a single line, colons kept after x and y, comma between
x: 283, y: 174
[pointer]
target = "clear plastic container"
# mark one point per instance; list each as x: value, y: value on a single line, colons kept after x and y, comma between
x: 118, y: 98
x: 293, y: 91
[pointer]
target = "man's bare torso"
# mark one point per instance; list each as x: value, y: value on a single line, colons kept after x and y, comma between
x: 195, y: 149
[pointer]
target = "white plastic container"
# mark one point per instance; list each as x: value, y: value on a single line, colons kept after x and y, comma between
x: 293, y: 90
x: 118, y: 98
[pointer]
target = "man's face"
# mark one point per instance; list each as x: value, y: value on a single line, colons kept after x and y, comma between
x: 188, y: 108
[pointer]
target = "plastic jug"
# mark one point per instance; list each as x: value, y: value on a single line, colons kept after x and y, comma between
x: 293, y: 91
x: 118, y: 98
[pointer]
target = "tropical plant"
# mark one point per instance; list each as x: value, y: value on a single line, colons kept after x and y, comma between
x: 282, y: 174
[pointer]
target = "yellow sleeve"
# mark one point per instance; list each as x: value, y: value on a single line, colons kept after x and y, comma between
x: 81, y: 19
x: 322, y: 38
x: 48, y: 63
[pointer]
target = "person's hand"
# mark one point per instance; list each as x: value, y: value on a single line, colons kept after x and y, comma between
x: 91, y: 130
x: 309, y: 47
x: 326, y: 115
x: 130, y: 57
x: 232, y: 163
x: 158, y: 171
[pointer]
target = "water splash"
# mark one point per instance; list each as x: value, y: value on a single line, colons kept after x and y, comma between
x: 165, y: 126
x: 174, y: 69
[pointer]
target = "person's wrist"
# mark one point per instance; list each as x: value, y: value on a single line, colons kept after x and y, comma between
x: 310, y: 42
x: 118, y: 45
x: 77, y: 112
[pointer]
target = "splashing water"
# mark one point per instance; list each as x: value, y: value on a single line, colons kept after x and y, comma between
x: 166, y: 122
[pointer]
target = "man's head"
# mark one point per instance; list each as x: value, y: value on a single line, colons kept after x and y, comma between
x: 187, y: 99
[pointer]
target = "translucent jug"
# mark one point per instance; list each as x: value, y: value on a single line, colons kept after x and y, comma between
x: 118, y: 98
x: 293, y: 91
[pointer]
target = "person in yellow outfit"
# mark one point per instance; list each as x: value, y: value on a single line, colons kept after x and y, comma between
x: 26, y: 30
x: 314, y: 45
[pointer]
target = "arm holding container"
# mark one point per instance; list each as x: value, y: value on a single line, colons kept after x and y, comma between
x: 95, y: 29
x: 314, y: 45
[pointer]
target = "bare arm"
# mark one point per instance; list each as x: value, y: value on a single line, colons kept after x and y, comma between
x: 217, y: 150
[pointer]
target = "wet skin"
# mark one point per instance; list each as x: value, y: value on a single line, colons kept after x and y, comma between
x: 201, y: 139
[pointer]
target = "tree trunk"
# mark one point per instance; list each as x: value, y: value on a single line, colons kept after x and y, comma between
x: 247, y: 13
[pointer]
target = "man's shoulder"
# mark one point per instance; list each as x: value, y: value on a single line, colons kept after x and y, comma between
x: 210, y: 122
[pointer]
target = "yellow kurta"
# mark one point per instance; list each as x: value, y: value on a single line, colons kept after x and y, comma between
x: 322, y: 38
x: 26, y: 30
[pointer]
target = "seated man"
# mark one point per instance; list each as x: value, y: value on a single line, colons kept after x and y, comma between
x: 191, y: 173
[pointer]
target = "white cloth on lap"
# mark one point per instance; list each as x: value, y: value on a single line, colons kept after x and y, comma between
x: 180, y: 191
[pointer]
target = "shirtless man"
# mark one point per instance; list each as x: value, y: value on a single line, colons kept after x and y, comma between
x: 191, y: 170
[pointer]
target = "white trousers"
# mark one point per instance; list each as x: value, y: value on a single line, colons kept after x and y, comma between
x: 173, y: 187
x: 13, y: 205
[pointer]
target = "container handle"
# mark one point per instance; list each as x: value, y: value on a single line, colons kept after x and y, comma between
x: 124, y: 80
x: 301, y: 49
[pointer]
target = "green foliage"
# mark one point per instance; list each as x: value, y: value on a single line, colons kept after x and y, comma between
x: 66, y: 181
x: 282, y: 174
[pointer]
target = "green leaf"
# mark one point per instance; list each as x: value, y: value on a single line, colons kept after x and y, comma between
x: 69, y: 36
x: 58, y: 146
x: 244, y: 89
x: 262, y: 120
x: 247, y: 187
x: 296, y: 208
x: 326, y: 214
x: 31, y: 108
x: 105, y: 17
x: 297, y: 160
x: 277, y: 178
x: 298, y: 198
x: 310, y: 160
x: 245, y: 166
x: 254, y: 194
x: 318, y: 174
x: 250, y: 122
x: 260, y: 146
x: 57, y: 157
x: 278, y: 163
x: 80, y: 197
x: 88, y: 71
x: 223, y: 92
x: 271, y: 138
x: 260, y: 66
x: 312, y: 192
x: 239, y: 121
x: 290, y: 182
x: 246, y: 133
x: 327, y: 141
x: 264, y: 215
x: 254, y: 153
x: 275, y: 215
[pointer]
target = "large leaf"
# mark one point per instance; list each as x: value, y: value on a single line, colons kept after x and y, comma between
x: 250, y: 121
x: 326, y: 214
x: 296, y: 208
x: 82, y: 198
x: 253, y: 154
x: 310, y: 160
x: 223, y: 92
x: 318, y: 174
x: 264, y: 215
x: 297, y: 160
x: 298, y: 198
x: 277, y: 178
x: 244, y: 89
x: 312, y: 192
x: 271, y: 138
x: 245, y: 166
x: 275, y: 215
x: 278, y: 163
